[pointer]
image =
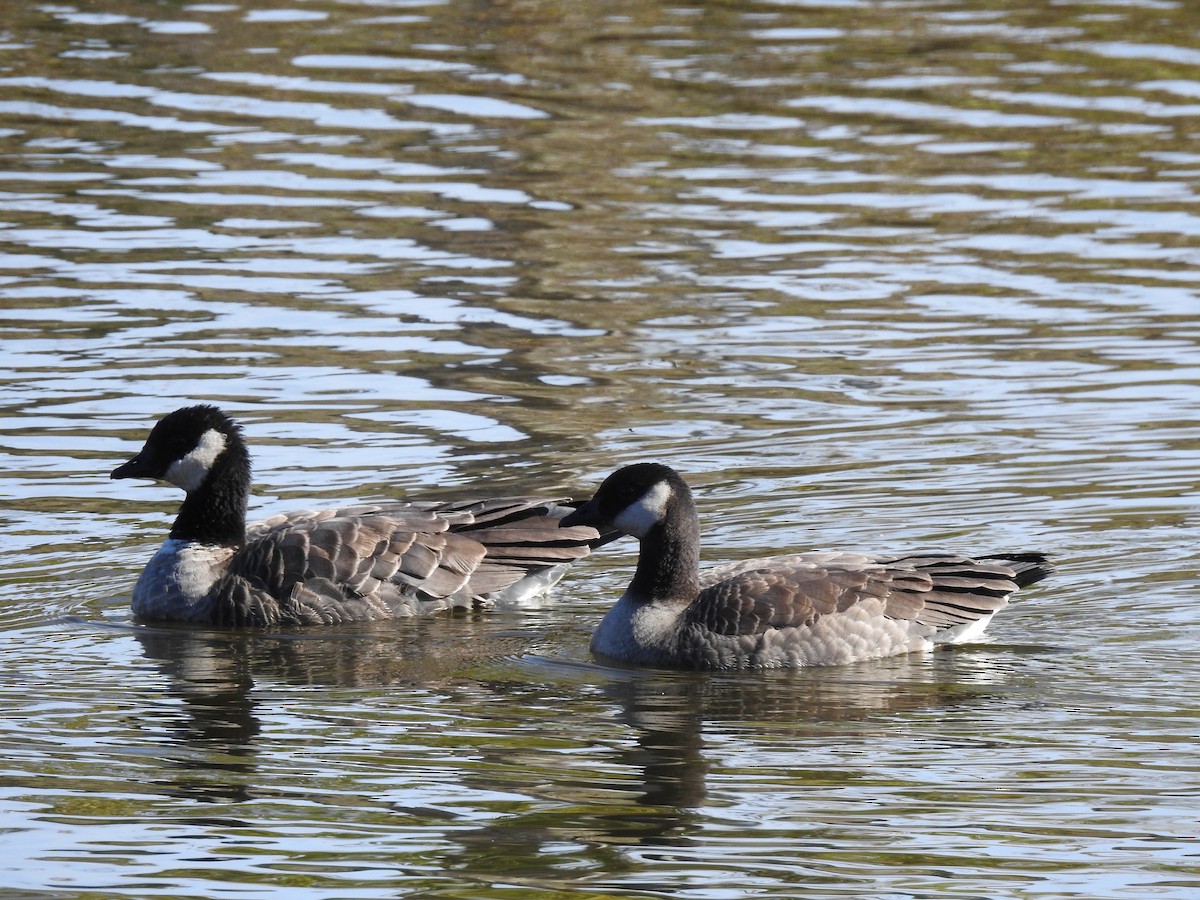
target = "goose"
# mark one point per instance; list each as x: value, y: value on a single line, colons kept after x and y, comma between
x: 814, y: 608
x: 330, y: 566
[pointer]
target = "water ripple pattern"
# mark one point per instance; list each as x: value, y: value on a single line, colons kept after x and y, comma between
x: 874, y: 275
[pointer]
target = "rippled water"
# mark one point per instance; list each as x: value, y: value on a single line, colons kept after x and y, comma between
x: 875, y: 275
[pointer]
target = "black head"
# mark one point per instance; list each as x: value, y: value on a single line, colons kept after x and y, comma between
x: 633, y: 499
x: 184, y: 446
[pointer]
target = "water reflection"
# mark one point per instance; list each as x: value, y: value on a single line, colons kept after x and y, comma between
x: 210, y: 674
x: 226, y: 682
x: 215, y: 725
x: 686, y: 744
x: 671, y: 713
x: 876, y: 275
x: 219, y: 679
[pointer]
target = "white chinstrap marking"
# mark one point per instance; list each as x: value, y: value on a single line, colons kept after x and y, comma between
x: 189, y: 472
x: 638, y: 518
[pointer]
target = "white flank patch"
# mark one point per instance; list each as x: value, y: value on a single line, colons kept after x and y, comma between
x: 190, y: 471
x: 651, y: 508
x: 967, y: 633
x: 529, y: 589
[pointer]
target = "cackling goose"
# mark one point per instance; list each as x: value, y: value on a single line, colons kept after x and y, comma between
x: 336, y: 565
x: 804, y: 609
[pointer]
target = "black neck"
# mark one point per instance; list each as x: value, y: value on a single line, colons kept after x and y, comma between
x: 215, y: 512
x: 668, y: 569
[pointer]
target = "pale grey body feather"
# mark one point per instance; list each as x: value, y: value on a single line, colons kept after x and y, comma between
x: 177, y: 582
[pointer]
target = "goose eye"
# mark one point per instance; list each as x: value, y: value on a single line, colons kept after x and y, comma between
x: 631, y: 492
x: 178, y: 445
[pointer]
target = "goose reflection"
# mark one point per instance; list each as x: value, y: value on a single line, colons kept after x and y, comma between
x: 214, y: 673
x: 644, y: 781
x: 671, y: 714
x: 544, y: 751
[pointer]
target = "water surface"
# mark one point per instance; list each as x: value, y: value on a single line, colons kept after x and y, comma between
x: 874, y: 275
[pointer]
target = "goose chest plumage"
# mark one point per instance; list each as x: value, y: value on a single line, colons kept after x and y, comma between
x: 331, y: 566
x: 803, y: 609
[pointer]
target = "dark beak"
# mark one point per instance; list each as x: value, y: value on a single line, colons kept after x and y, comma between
x: 588, y: 514
x: 137, y: 467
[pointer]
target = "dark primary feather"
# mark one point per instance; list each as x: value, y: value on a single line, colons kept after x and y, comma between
x: 1027, y: 567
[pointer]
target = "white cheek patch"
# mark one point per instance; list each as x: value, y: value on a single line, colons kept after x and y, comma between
x: 190, y: 471
x: 651, y: 508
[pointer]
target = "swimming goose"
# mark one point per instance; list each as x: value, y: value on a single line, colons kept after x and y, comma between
x: 334, y: 565
x: 804, y: 609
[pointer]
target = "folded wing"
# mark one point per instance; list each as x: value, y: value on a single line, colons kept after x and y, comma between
x: 383, y: 561
x: 934, y: 589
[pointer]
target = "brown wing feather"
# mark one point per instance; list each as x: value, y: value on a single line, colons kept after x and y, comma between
x: 524, y: 531
x: 379, y: 560
x: 781, y: 596
x: 502, y: 510
x: 792, y: 591
x: 520, y: 530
